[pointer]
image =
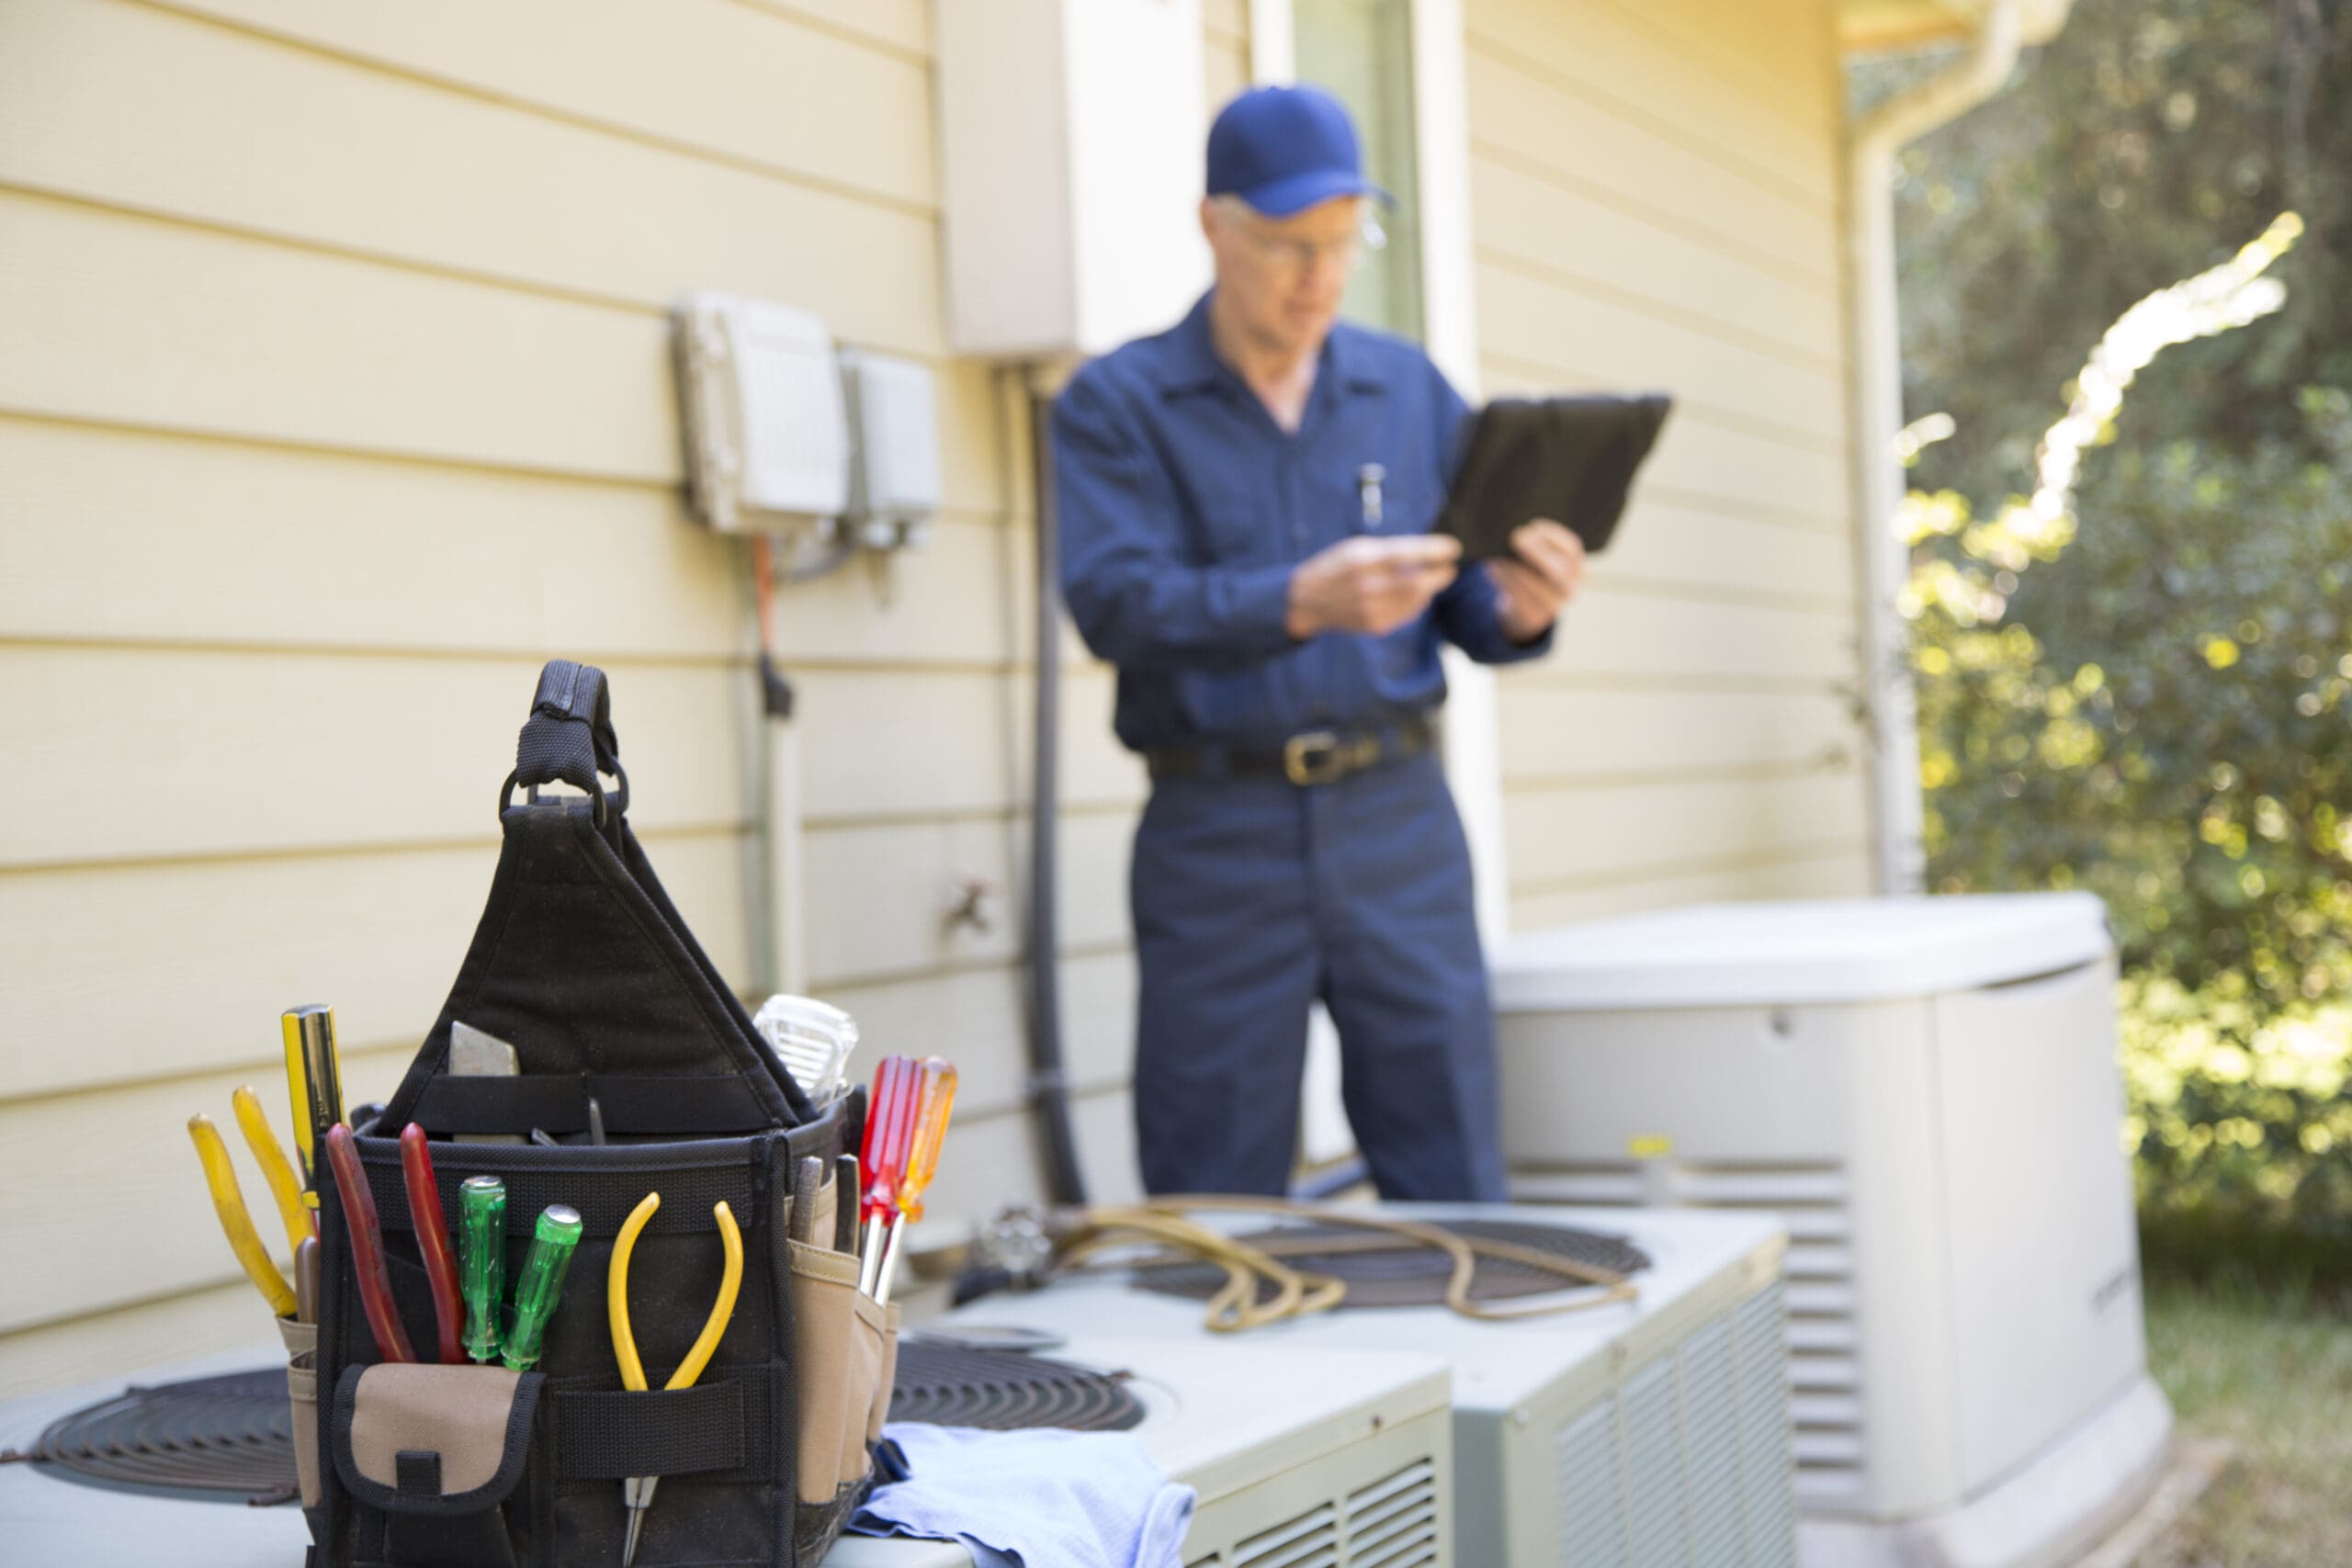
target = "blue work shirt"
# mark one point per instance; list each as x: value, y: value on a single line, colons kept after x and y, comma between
x: 1184, y: 508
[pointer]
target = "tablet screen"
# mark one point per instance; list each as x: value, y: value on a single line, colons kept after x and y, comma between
x: 1571, y: 459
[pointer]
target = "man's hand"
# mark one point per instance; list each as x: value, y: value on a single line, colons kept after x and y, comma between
x: 1532, y: 588
x: 1369, y: 583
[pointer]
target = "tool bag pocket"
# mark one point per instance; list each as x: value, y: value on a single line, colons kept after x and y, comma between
x: 302, y: 1399
x: 844, y: 1346
x: 434, y: 1459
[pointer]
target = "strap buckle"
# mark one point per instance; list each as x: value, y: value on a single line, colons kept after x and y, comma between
x: 1320, y: 757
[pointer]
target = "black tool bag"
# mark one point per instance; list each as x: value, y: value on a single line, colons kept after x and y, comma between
x: 582, y: 964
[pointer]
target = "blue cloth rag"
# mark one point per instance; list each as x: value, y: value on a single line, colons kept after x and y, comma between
x: 1038, y: 1499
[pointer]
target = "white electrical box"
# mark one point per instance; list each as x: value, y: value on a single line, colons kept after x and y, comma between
x: 1071, y: 150
x: 767, y: 432
x: 894, y: 438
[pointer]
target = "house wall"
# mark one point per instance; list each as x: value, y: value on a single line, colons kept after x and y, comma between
x: 335, y: 396
x: 1656, y: 194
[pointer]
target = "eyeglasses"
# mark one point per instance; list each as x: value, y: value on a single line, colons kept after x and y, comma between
x: 1300, y: 255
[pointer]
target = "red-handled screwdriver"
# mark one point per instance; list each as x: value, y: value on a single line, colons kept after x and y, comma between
x: 937, y: 1099
x: 889, y: 1137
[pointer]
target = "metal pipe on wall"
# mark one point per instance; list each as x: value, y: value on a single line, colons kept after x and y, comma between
x: 1048, y: 1088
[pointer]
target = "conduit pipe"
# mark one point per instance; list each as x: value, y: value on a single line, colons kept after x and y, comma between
x: 1873, y: 146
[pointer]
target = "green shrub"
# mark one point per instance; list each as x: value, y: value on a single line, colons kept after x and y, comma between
x: 2148, y: 697
x: 2235, y: 1112
x: 2151, y: 703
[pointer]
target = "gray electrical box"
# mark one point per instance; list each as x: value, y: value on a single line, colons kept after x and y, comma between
x: 893, y: 407
x: 767, y: 434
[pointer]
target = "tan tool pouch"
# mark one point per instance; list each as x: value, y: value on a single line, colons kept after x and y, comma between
x: 303, y: 1395
x: 844, y: 1345
x: 435, y: 1457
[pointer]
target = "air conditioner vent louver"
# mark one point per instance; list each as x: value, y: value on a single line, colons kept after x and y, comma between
x: 1824, y: 1370
x: 1761, y: 1418
x: 1711, y: 1408
x: 1687, y: 1465
x: 1592, y: 1527
x: 1393, y: 1522
x: 1655, y: 1505
x: 1310, y: 1540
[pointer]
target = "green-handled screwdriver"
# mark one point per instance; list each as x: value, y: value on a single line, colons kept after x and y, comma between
x: 482, y: 1260
x: 556, y: 1234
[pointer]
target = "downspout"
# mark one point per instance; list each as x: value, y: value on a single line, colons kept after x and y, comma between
x: 1893, y: 705
x: 1048, y: 1088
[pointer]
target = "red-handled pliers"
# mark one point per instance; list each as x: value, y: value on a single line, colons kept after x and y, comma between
x: 367, y: 1247
x: 432, y: 1242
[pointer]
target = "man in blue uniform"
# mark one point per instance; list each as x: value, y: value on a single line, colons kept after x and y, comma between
x: 1244, y: 502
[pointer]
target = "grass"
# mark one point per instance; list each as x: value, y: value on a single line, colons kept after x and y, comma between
x: 2268, y: 1368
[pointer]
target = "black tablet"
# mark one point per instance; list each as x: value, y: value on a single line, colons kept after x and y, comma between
x: 1571, y: 459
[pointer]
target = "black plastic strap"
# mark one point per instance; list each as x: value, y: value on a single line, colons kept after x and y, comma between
x: 418, y: 1472
x: 569, y: 733
x: 603, y: 1189
x: 706, y: 1105
x: 611, y: 1434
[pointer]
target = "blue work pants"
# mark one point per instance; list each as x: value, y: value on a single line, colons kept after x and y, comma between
x: 1254, y: 898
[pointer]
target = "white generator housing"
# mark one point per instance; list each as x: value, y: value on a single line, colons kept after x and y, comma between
x: 1925, y: 1090
x: 1652, y: 1432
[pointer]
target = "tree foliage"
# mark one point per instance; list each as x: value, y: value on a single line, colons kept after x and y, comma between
x: 2142, y: 144
x: 2149, y: 693
x: 2159, y: 710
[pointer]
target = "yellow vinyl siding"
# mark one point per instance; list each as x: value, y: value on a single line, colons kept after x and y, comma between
x: 1225, y: 38
x: 1657, y: 197
x: 335, y: 394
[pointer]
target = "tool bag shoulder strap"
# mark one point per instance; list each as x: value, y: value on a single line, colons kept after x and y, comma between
x: 583, y: 963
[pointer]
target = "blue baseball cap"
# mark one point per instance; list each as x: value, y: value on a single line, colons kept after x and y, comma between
x: 1282, y: 150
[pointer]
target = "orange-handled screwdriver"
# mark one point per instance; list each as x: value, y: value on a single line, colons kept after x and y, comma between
x: 938, y: 1102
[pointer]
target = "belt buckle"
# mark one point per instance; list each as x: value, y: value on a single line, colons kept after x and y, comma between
x: 1321, y: 757
x: 1314, y: 758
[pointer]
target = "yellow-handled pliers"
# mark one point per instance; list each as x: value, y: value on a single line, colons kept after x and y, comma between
x: 637, y: 1492
x: 235, y: 1222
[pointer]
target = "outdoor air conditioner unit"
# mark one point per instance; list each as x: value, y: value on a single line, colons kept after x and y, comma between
x: 1925, y: 1090
x: 1651, y: 1432
x: 1338, y: 1459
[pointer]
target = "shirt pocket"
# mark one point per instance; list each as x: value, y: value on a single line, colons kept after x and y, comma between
x: 1407, y: 506
x: 1241, y: 527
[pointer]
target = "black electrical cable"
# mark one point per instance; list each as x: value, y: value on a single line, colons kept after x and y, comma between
x: 1048, y: 1081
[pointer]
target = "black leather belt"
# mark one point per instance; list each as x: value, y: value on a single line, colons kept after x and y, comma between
x: 1318, y: 757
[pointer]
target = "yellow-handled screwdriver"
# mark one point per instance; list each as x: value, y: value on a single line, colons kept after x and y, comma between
x: 315, y: 1075
x: 284, y: 1187
x: 235, y: 1222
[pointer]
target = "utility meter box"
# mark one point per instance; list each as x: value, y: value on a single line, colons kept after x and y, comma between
x: 767, y: 433
x: 1071, y: 148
